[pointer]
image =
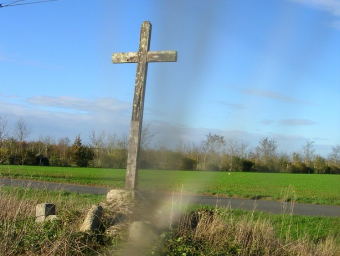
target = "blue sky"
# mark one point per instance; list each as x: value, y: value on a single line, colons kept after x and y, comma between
x: 245, y: 70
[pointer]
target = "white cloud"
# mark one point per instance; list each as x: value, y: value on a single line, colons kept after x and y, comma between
x: 268, y: 122
x: 274, y: 95
x: 296, y: 122
x: 110, y: 115
x: 68, y: 116
x: 231, y: 105
x: 289, y: 122
x: 330, y: 6
x: 79, y: 104
x: 33, y: 63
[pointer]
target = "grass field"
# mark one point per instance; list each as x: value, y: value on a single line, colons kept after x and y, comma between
x: 226, y: 232
x: 303, y: 188
x: 302, y: 235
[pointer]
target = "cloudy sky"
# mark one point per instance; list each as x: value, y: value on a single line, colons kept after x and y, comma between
x: 246, y: 69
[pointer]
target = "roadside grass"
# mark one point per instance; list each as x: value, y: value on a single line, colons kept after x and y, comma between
x: 21, y: 235
x: 286, y: 226
x: 200, y: 230
x: 62, y: 199
x: 208, y: 231
x: 307, y: 188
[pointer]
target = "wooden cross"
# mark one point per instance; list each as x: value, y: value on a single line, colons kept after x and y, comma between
x: 142, y: 57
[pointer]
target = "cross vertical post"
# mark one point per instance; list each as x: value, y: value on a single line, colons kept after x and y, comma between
x: 142, y: 57
x: 137, y: 109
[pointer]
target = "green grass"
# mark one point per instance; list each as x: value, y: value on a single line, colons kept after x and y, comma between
x: 304, y: 188
x: 20, y: 234
x: 73, y: 175
x: 62, y: 199
x: 231, y: 231
x: 220, y: 231
x: 286, y: 226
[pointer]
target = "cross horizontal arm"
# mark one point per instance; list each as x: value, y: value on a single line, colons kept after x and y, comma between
x: 132, y: 57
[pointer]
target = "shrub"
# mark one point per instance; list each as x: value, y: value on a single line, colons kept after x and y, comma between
x: 188, y: 164
x: 299, y: 167
x: 40, y: 159
x: 334, y: 169
x: 81, y: 155
x: 247, y: 165
x: 211, y: 167
x: 260, y: 168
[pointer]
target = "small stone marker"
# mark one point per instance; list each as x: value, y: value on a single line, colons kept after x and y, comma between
x: 93, y: 219
x: 44, y: 212
x: 142, y: 57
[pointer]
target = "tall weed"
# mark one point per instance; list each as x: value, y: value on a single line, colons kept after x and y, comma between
x: 215, y: 232
x: 20, y: 234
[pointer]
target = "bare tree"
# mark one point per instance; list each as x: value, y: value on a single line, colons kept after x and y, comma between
x: 266, y: 151
x: 320, y: 165
x: 47, y: 142
x: 162, y: 154
x: 123, y: 142
x: 3, y: 128
x: 97, y: 140
x: 63, y: 145
x: 334, y: 158
x: 122, y: 150
x: 117, y: 147
x: 112, y: 140
x: 64, y: 142
x: 21, y: 130
x: 213, y: 146
x: 296, y: 157
x: 284, y: 160
x: 44, y: 147
x: 97, y: 143
x: 146, y: 136
x: 145, y: 157
x: 308, y: 153
x: 182, y: 148
x: 195, y: 152
x: 236, y: 150
x: 3, y: 134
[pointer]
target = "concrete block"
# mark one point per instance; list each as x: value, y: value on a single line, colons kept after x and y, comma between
x: 93, y: 219
x: 43, y: 210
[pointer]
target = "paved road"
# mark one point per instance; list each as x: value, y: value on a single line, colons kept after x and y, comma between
x: 244, y: 204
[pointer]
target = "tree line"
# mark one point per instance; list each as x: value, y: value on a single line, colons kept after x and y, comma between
x: 213, y: 153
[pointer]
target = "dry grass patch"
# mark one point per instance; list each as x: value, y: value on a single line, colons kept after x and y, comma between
x: 213, y: 232
x: 218, y: 231
x: 21, y: 235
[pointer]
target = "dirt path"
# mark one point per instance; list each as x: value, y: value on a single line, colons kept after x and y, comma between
x: 235, y: 203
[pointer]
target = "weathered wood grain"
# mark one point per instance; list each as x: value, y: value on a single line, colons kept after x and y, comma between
x: 132, y: 57
x: 137, y: 109
x: 142, y: 57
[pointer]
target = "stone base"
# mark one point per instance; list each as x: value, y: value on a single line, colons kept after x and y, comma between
x: 120, y: 195
x: 120, y: 201
x: 44, y: 211
x: 93, y: 219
